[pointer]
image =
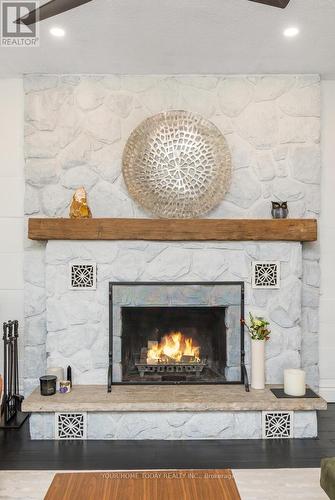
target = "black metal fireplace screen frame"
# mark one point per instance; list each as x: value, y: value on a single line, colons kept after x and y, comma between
x: 244, y: 375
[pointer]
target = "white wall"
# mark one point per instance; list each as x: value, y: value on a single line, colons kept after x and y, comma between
x: 11, y: 203
x: 327, y: 239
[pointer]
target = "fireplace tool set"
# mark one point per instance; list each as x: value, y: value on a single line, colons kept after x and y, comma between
x: 11, y: 416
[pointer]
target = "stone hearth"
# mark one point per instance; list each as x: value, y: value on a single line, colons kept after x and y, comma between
x: 201, y: 412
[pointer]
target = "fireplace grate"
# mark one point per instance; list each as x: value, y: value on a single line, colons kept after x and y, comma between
x: 178, y: 368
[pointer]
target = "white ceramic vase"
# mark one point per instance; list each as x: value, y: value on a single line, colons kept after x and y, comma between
x: 257, y: 364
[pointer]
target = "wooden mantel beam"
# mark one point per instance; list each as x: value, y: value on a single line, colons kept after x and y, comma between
x: 174, y: 229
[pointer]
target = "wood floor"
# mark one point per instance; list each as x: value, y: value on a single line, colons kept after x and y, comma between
x: 136, y: 485
x: 18, y: 452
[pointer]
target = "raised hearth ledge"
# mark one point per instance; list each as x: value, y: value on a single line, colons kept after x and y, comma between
x: 200, y: 398
x: 173, y: 229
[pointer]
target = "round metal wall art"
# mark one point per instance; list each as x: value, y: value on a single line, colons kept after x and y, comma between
x: 177, y: 165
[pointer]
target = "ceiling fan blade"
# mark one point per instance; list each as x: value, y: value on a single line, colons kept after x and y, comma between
x: 50, y: 9
x: 274, y: 3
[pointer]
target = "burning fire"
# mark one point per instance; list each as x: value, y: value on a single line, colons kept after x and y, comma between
x: 173, y: 348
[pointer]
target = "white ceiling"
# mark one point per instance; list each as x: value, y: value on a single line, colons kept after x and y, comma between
x: 182, y: 36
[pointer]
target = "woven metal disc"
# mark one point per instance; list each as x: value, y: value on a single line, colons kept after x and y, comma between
x: 177, y: 165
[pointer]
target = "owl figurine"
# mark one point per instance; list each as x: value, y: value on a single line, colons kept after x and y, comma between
x: 279, y: 210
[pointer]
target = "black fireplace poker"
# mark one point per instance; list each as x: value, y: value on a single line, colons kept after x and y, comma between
x: 11, y: 416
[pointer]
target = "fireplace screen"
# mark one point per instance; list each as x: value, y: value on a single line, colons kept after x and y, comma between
x: 176, y: 333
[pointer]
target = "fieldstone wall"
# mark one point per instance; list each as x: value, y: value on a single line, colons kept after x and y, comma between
x: 77, y: 321
x: 174, y: 425
x: 75, y: 131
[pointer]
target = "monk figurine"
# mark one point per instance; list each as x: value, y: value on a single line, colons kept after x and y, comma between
x: 79, y: 208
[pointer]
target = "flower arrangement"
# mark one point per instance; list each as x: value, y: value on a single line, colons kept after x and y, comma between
x: 258, y: 328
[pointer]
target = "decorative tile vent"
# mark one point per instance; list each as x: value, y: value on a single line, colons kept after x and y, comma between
x: 265, y: 274
x: 70, y: 425
x: 277, y: 424
x: 83, y: 275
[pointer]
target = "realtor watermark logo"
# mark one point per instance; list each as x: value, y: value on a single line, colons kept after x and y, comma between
x: 18, y: 34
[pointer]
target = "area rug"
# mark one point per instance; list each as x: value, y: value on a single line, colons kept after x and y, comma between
x: 145, y: 485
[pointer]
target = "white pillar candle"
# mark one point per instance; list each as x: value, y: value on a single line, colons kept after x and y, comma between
x: 294, y: 382
x: 58, y: 371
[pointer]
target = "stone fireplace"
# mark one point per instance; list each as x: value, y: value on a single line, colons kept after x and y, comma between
x: 179, y: 276
x: 176, y: 333
x: 76, y: 129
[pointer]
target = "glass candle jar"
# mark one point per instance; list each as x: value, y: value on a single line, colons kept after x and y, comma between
x: 64, y: 386
x: 48, y: 385
x: 58, y: 372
